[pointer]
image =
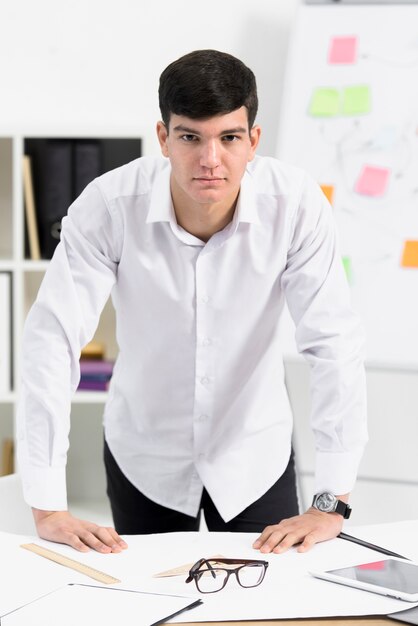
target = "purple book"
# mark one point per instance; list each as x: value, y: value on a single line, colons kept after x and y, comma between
x: 93, y: 385
x: 96, y: 368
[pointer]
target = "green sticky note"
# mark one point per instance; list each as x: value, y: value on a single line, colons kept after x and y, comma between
x: 348, y: 268
x: 356, y: 100
x: 325, y: 102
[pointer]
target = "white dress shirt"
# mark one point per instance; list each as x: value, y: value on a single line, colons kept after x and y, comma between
x: 197, y: 397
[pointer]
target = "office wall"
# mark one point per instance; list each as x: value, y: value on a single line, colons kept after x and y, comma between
x: 96, y: 63
x: 90, y: 65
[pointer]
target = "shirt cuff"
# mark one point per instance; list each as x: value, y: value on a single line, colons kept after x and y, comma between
x: 45, y: 488
x: 336, y: 472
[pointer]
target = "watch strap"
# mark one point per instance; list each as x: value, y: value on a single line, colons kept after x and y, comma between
x: 343, y: 509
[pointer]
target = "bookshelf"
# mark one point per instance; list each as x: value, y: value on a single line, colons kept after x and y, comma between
x: 85, y: 475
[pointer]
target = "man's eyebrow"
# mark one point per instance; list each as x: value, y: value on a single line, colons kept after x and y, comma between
x: 229, y: 131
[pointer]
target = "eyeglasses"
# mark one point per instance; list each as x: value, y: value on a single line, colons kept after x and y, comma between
x: 210, y: 578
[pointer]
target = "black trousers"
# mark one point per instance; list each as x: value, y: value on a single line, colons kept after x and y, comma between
x: 135, y: 514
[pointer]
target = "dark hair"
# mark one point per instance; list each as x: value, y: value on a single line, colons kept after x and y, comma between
x: 205, y: 83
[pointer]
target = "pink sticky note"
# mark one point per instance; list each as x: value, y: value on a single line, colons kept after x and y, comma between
x: 372, y: 181
x: 343, y: 50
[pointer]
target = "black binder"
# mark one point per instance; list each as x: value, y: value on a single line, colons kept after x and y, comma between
x: 62, y: 168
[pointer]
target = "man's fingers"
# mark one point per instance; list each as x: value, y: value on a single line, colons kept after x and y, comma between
x: 306, y: 530
x: 62, y: 527
x: 109, y: 539
x: 265, y: 536
x: 309, y: 541
x: 117, y: 539
x: 75, y: 542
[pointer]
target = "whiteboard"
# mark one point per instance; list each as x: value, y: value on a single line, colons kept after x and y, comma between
x: 350, y: 118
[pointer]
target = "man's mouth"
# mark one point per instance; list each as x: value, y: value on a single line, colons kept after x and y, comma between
x: 207, y: 179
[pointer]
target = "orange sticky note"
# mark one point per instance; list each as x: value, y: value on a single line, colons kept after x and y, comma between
x: 410, y: 254
x: 329, y: 192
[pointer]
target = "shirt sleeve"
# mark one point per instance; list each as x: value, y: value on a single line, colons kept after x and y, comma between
x: 62, y: 320
x: 331, y: 338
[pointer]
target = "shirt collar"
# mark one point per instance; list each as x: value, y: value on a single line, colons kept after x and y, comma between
x: 161, y: 206
x: 246, y: 210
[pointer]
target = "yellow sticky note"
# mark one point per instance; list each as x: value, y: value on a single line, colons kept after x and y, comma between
x: 348, y: 268
x: 325, y: 102
x: 328, y: 192
x: 410, y: 254
x: 356, y: 100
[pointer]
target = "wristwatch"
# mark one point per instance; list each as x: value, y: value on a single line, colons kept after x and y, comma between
x: 328, y: 503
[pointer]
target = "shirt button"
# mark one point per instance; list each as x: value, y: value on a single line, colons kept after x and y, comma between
x: 206, y: 341
x: 205, y: 380
x: 200, y: 456
x: 202, y: 418
x: 205, y: 299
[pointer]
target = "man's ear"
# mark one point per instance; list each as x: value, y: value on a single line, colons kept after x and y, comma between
x: 162, y: 134
x: 255, y: 133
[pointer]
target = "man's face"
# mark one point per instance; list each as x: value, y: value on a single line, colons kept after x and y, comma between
x: 208, y: 157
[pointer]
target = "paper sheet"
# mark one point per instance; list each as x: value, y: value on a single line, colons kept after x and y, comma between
x: 80, y: 604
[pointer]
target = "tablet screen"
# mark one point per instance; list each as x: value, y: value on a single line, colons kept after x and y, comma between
x: 397, y: 575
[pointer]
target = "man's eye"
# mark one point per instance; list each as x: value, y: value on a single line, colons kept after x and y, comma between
x: 230, y: 138
x: 188, y: 138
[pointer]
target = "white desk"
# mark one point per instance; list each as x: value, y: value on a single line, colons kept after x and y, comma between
x: 288, y: 591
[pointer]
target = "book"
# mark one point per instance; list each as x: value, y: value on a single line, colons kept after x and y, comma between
x: 7, y: 457
x: 30, y: 212
x: 96, y: 368
x: 93, y: 385
x: 87, y: 163
x: 95, y: 374
x: 5, y: 333
x: 55, y: 192
x: 93, y: 350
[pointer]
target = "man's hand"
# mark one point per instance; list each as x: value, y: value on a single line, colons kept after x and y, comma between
x: 62, y: 527
x: 306, y: 530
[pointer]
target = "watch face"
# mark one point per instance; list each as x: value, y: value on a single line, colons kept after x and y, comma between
x: 326, y: 502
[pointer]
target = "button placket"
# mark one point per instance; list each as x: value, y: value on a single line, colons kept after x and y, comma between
x: 205, y: 374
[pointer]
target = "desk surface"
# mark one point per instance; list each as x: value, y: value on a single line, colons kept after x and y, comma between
x: 347, y: 621
x: 30, y: 577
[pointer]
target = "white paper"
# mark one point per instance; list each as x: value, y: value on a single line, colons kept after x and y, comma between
x: 80, y: 604
x: 25, y: 576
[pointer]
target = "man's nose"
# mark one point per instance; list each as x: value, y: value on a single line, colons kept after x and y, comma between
x: 210, y: 155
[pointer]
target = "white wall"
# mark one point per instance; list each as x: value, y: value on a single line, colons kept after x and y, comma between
x: 96, y: 63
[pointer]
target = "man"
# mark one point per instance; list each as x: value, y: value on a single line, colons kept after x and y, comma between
x: 200, y: 250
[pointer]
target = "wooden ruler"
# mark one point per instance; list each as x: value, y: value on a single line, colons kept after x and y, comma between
x: 183, y: 569
x: 71, y: 563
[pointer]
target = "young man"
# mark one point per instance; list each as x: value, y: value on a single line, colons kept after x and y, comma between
x: 200, y: 250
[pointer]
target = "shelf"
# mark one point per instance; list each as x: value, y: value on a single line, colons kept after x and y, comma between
x: 90, y: 397
x: 6, y: 197
x: 35, y: 266
x: 7, y: 265
x: 8, y: 398
x: 111, y: 147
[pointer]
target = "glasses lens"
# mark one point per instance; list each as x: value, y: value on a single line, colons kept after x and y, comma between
x: 251, y: 575
x: 210, y: 580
